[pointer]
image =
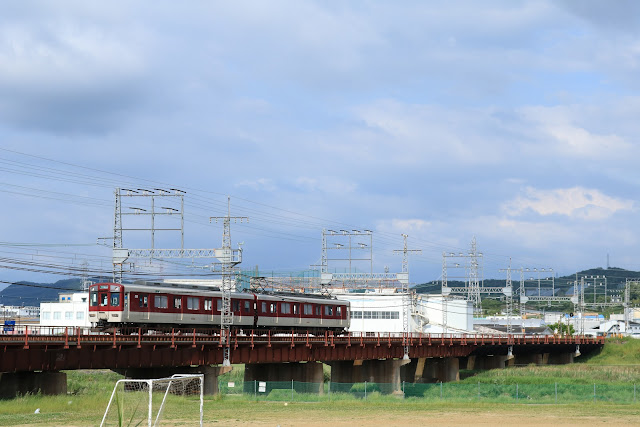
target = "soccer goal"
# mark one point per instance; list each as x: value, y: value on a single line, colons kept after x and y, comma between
x: 134, y: 402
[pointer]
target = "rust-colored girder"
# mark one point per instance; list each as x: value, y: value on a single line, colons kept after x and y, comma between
x: 40, y: 350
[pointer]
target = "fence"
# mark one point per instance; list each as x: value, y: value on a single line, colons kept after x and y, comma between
x: 481, y: 392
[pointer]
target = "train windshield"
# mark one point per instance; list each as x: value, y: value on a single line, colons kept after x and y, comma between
x: 93, y: 298
x: 115, y: 299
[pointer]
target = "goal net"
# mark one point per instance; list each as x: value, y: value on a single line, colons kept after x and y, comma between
x: 147, y: 402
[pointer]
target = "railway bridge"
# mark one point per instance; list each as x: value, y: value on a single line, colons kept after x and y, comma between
x: 33, y: 358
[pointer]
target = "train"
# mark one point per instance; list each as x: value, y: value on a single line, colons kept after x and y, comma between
x: 114, y: 306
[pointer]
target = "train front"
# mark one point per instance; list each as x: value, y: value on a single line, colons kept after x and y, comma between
x: 106, y: 304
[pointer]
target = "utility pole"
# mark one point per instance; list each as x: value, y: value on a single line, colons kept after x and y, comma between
x: 405, y: 291
x: 228, y: 262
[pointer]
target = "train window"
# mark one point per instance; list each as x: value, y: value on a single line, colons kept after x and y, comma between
x: 328, y: 310
x: 318, y: 310
x: 246, y: 307
x: 264, y: 307
x: 104, y: 299
x: 177, y: 302
x: 295, y: 309
x: 94, y: 299
x: 285, y: 308
x: 339, y: 311
x: 236, y: 306
x: 207, y: 304
x: 115, y: 299
x: 219, y: 304
x: 193, y: 303
x: 308, y: 309
x: 272, y: 307
x: 160, y: 301
x: 143, y: 301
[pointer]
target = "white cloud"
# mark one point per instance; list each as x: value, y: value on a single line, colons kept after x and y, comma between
x: 259, y: 184
x: 575, y: 202
x: 326, y: 184
x: 568, y: 131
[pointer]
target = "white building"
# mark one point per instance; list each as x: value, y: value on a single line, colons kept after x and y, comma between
x: 72, y: 310
x: 383, y: 311
x: 19, y: 312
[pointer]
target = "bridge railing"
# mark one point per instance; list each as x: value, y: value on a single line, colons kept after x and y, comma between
x: 35, y: 333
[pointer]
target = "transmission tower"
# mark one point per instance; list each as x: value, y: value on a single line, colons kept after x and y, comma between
x: 229, y: 263
x: 474, y: 282
x: 508, y: 293
x: 406, y: 296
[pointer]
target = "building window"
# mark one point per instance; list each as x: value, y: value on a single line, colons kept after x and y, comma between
x: 57, y: 315
x: 46, y: 315
x: 193, y: 303
x: 160, y: 301
x: 79, y: 315
x: 68, y: 315
x: 394, y: 315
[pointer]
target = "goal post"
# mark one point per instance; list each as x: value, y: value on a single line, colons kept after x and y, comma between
x: 146, y: 401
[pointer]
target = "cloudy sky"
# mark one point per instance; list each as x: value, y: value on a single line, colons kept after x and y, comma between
x: 512, y: 121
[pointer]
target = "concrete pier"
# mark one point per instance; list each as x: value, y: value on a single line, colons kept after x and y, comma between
x: 432, y: 370
x: 20, y: 383
x: 387, y: 371
x: 309, y: 372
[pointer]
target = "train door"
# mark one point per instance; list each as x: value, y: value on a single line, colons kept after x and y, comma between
x: 103, y: 302
x: 208, y: 309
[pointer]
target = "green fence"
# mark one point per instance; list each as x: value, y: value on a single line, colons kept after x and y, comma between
x: 507, y: 393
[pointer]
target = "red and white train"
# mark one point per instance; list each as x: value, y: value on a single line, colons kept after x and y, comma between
x: 113, y: 305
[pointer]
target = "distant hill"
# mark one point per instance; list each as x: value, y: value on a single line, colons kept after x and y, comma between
x: 32, y: 294
x: 616, y: 278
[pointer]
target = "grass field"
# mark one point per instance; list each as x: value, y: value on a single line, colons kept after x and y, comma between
x: 508, y: 397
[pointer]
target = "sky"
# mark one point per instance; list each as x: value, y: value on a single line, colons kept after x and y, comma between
x: 514, y: 122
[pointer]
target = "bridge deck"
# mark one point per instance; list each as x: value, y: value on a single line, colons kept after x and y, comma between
x: 51, y: 349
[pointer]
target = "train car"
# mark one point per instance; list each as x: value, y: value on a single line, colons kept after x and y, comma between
x: 113, y: 305
x: 278, y: 311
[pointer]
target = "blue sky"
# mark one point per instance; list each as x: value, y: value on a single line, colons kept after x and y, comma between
x: 511, y: 121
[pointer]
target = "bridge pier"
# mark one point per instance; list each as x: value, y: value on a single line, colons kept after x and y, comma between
x: 211, y: 373
x: 530, y: 358
x: 19, y: 383
x: 432, y: 370
x: 492, y: 362
x: 309, y: 372
x: 561, y: 358
x: 387, y: 371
